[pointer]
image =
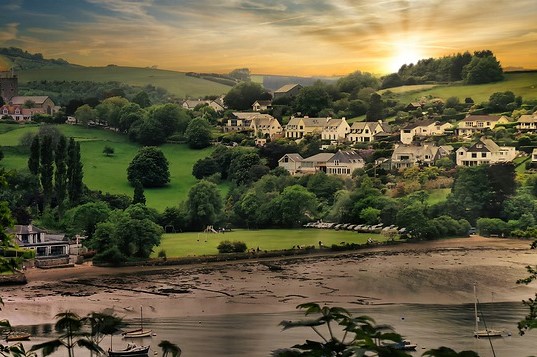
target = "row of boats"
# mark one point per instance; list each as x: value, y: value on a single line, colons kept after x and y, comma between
x: 361, y: 228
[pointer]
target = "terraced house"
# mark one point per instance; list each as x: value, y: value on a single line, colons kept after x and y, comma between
x: 297, y: 127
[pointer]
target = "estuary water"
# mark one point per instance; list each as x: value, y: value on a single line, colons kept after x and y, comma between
x: 252, y: 335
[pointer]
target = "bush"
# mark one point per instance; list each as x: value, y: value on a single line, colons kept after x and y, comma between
x: 231, y: 247
x: 162, y: 254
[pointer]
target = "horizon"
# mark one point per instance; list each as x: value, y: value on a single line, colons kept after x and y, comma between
x: 287, y: 38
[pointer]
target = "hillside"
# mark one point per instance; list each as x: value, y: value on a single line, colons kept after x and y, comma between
x: 523, y: 84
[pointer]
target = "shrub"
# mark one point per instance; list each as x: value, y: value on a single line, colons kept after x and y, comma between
x: 162, y: 254
x: 231, y: 247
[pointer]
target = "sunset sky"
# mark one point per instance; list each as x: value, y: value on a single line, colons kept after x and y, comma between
x: 294, y: 37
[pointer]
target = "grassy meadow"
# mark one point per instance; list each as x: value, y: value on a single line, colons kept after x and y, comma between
x: 197, y: 244
x: 523, y: 84
x: 177, y: 83
x: 109, y: 174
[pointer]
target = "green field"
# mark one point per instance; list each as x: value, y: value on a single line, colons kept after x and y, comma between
x: 196, y: 244
x: 438, y: 195
x: 176, y: 83
x: 523, y: 84
x: 109, y: 174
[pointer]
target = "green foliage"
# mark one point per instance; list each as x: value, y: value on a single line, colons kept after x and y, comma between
x: 375, y: 111
x: 243, y: 95
x: 483, y: 70
x: 311, y: 100
x: 231, y: 247
x: 448, y: 352
x: 488, y: 226
x: 138, y: 196
x: 499, y: 101
x: 198, y: 134
x: 150, y: 167
x: 205, y: 168
x: 108, y: 150
x: 33, y: 161
x: 85, y: 114
x: 75, y: 173
x: 46, y: 168
x: 85, y: 218
x: 204, y: 204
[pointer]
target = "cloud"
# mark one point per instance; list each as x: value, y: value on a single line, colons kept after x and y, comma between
x: 9, y: 32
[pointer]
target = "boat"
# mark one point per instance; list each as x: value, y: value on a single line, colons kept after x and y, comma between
x: 486, y: 332
x: 404, y: 345
x: 139, y: 332
x: 17, y: 336
x: 131, y: 350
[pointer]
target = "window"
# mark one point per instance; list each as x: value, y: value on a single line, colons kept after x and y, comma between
x: 480, y: 124
x: 474, y: 155
x: 483, y: 154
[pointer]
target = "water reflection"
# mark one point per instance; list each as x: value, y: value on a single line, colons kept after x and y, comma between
x: 254, y: 335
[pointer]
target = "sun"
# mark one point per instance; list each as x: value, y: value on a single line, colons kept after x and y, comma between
x: 404, y: 53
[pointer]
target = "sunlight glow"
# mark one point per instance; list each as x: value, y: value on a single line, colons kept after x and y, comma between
x: 404, y: 53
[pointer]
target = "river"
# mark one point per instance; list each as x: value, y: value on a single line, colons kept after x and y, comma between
x: 256, y: 335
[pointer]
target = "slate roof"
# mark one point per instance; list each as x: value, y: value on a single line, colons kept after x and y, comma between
x: 23, y: 99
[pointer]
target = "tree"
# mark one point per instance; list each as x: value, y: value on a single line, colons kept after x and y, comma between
x: 139, y: 196
x: 137, y: 237
x: 150, y: 167
x: 108, y: 150
x: 205, y: 168
x: 392, y: 80
x: 84, y: 114
x: 294, y: 206
x: 75, y: 173
x: 148, y: 132
x: 241, y: 163
x: 142, y: 99
x: 448, y: 352
x: 241, y: 74
x: 86, y: 217
x: 33, y: 161
x: 375, y: 111
x: 109, y: 110
x: 357, y: 81
x: 243, y: 95
x: 101, y: 325
x: 169, y: 348
x: 499, y: 101
x: 204, y: 204
x: 198, y: 134
x: 483, y: 70
x: 60, y: 178
x: 171, y: 118
x: 311, y: 100
x: 46, y: 169
x: 70, y: 327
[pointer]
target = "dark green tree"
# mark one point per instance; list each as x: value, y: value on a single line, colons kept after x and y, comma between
x: 139, y: 196
x: 148, y: 132
x: 150, y: 167
x: 171, y: 118
x: 483, y: 70
x: 75, y: 173
x: 46, y: 169
x: 33, y: 161
x: 108, y: 150
x: 376, y: 107
x: 142, y: 99
x: 86, y: 217
x: 243, y: 95
x: 205, y: 167
x: 198, y: 134
x: 311, y: 100
x: 204, y: 204
x: 60, y: 177
x: 242, y: 162
x: 499, y: 101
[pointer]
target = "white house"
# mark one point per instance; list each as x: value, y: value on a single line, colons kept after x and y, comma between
x: 423, y: 128
x: 344, y: 163
x: 364, y: 132
x: 527, y: 122
x: 404, y: 155
x: 297, y: 127
x: 264, y: 125
x: 484, y: 152
x: 479, y: 123
x: 291, y: 162
x: 261, y: 105
x: 335, y: 129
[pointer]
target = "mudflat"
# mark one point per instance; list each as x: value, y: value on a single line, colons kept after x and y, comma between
x: 438, y: 272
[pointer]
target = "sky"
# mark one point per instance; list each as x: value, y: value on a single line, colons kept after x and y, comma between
x: 288, y: 37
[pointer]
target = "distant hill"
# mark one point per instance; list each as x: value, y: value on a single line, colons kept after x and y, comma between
x: 12, y: 57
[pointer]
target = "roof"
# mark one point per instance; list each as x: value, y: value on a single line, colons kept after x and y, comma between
x: 322, y: 157
x: 315, y: 122
x: 527, y: 118
x: 22, y: 229
x: 334, y: 122
x: 293, y: 157
x: 487, y: 145
x: 247, y: 115
x: 472, y: 117
x: 263, y: 102
x: 23, y: 99
x: 419, y: 123
x: 264, y: 120
x: 361, y: 125
x: 348, y: 156
x: 286, y: 88
x: 415, y: 150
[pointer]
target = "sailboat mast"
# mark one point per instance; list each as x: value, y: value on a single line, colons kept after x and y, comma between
x: 141, y: 320
x: 475, y: 308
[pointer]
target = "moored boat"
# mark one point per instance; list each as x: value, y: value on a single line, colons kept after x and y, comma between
x: 138, y: 333
x: 131, y: 350
x: 17, y: 336
x: 404, y: 345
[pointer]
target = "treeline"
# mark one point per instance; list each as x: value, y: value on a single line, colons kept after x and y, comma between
x: 25, y: 60
x: 479, y: 67
x: 65, y: 92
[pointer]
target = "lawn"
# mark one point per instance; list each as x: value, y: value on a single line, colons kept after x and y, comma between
x: 109, y: 174
x: 196, y: 244
x: 177, y: 83
x: 523, y: 84
x: 438, y: 195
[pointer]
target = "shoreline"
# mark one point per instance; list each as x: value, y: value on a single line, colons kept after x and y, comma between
x: 436, y: 272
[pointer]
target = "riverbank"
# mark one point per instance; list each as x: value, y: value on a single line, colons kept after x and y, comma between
x: 439, y: 272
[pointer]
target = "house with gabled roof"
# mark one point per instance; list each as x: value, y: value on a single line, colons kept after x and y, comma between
x: 191, y: 104
x: 527, y: 123
x: 265, y: 125
x: 344, y: 163
x: 405, y: 155
x: 484, y: 152
x: 473, y: 124
x: 291, y: 162
x: 423, y: 129
x: 261, y: 105
x: 364, y: 132
x: 335, y: 129
x: 288, y: 90
x: 297, y: 127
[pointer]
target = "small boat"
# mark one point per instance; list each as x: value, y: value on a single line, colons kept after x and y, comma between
x: 483, y: 332
x: 131, y: 350
x: 17, y: 336
x: 404, y: 345
x: 139, y: 332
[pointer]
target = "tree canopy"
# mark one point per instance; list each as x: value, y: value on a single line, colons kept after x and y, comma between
x: 150, y: 167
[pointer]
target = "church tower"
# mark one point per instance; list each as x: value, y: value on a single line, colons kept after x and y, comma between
x: 9, y: 85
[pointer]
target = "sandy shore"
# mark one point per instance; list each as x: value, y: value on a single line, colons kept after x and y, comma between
x: 440, y: 272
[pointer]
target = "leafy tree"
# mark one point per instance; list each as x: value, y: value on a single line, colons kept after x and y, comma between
x: 148, y: 132
x: 108, y: 150
x: 46, y: 169
x: 356, y: 81
x: 294, y: 206
x: 392, y: 80
x: 311, y: 100
x: 198, y: 134
x: 169, y: 348
x: 242, y: 74
x: 150, y: 167
x: 139, y: 196
x: 375, y: 111
x: 205, y: 167
x: 138, y: 237
x: 33, y: 161
x: 242, y: 162
x: 171, y: 118
x: 448, y: 352
x: 499, y: 101
x: 60, y: 178
x: 109, y: 110
x: 70, y: 327
x: 274, y: 150
x: 75, y: 173
x: 324, y: 186
x: 204, y: 204
x: 86, y: 217
x: 243, y: 95
x: 483, y: 70
x: 142, y: 99
x: 84, y: 114
x: 370, y: 215
x: 360, y: 335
